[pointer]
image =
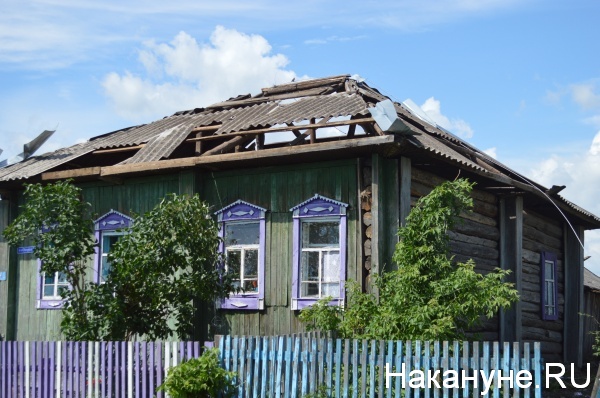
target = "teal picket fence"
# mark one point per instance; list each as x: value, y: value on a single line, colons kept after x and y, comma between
x: 299, y: 366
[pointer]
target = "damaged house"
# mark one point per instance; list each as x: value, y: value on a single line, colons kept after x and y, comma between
x: 325, y: 170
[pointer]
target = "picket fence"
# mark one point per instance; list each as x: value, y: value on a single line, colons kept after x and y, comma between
x: 298, y: 366
x: 58, y: 369
x: 293, y: 366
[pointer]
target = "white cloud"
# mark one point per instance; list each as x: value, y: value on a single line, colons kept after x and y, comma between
x: 185, y: 74
x: 333, y: 39
x: 432, y: 108
x: 584, y: 94
x: 491, y: 152
x: 580, y: 172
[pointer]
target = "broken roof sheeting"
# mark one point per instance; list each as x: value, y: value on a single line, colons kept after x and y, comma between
x: 288, y: 103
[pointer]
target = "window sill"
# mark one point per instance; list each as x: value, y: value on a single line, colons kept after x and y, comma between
x: 246, y: 303
x: 301, y: 303
x: 50, y: 304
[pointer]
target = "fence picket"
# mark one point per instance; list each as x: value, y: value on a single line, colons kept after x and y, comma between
x: 283, y: 367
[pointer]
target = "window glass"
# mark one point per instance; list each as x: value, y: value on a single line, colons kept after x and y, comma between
x: 320, y: 259
x: 242, y: 234
x: 315, y: 234
x: 108, y: 241
x: 241, y: 248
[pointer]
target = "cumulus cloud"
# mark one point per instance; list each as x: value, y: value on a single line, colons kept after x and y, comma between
x: 580, y: 172
x: 432, y: 108
x: 186, y: 74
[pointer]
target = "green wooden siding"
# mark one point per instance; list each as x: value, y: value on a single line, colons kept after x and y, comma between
x: 278, y: 190
x: 134, y: 195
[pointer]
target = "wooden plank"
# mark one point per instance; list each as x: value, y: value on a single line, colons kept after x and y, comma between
x: 573, y: 268
x: 269, y: 153
x: 75, y: 173
x: 285, y: 128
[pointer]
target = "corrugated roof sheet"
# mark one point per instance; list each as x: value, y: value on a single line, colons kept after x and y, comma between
x: 591, y: 280
x: 289, y: 103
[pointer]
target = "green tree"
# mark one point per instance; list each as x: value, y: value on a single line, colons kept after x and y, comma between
x: 59, y: 225
x: 162, y: 267
x: 428, y: 296
x: 165, y: 263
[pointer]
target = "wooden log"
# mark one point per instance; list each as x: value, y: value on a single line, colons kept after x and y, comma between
x: 457, y: 236
x: 471, y: 250
x: 432, y: 180
x: 547, y: 225
x: 367, y: 218
x: 479, y: 218
x: 542, y: 237
x: 530, y: 320
x: 542, y: 334
x: 537, y: 246
x: 469, y: 227
x: 223, y: 147
x: 59, y: 175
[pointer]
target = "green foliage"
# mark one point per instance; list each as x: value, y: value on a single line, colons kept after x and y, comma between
x: 160, y: 268
x: 165, y: 263
x: 57, y: 221
x: 199, y: 378
x: 429, y: 296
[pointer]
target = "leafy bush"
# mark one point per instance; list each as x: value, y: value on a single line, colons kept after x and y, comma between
x: 201, y: 377
x: 428, y: 296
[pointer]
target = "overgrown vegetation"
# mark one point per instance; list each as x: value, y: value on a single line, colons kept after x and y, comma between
x: 199, y: 378
x: 160, y: 267
x: 59, y: 225
x: 428, y: 296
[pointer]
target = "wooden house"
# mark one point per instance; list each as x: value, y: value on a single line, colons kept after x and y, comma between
x: 591, y: 322
x: 320, y: 174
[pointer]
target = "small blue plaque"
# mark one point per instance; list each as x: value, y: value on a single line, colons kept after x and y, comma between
x: 3, y: 276
x: 25, y: 249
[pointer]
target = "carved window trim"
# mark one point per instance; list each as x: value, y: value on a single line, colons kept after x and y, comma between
x: 110, y: 224
x: 317, y: 209
x: 241, y: 212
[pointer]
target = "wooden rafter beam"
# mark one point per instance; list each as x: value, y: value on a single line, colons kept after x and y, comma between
x: 268, y: 153
x: 59, y: 175
x: 115, y: 150
x: 232, y: 143
x: 302, y: 137
x: 286, y: 128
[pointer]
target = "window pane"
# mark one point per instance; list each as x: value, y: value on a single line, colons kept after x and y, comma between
x: 48, y: 290
x: 309, y: 289
x: 331, y: 266
x: 251, y: 263
x: 241, y: 234
x: 330, y: 289
x: 62, y: 277
x: 234, y: 261
x: 310, y: 266
x: 49, y: 280
x: 549, y: 270
x: 316, y: 234
x: 104, y: 269
x: 108, y: 241
x: 250, y: 286
x: 60, y: 289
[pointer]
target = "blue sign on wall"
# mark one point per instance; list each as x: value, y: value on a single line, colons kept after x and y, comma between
x: 2, y: 276
x: 25, y: 249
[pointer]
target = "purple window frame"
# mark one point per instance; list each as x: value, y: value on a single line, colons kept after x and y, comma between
x: 315, y: 208
x: 45, y: 303
x: 240, y: 212
x: 548, y: 257
x: 109, y: 222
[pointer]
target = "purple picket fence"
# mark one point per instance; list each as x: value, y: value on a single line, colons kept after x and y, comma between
x: 65, y: 369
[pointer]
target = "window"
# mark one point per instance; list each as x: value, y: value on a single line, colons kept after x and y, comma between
x: 242, y: 227
x: 549, y: 286
x: 319, y: 249
x: 109, y: 228
x: 49, y: 288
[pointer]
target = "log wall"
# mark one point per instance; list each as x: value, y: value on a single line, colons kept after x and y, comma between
x: 540, y: 234
x: 476, y: 235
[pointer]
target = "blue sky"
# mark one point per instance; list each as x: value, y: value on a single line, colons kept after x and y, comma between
x: 519, y: 79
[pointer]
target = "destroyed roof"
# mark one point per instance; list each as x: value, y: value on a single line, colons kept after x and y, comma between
x: 239, y: 125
